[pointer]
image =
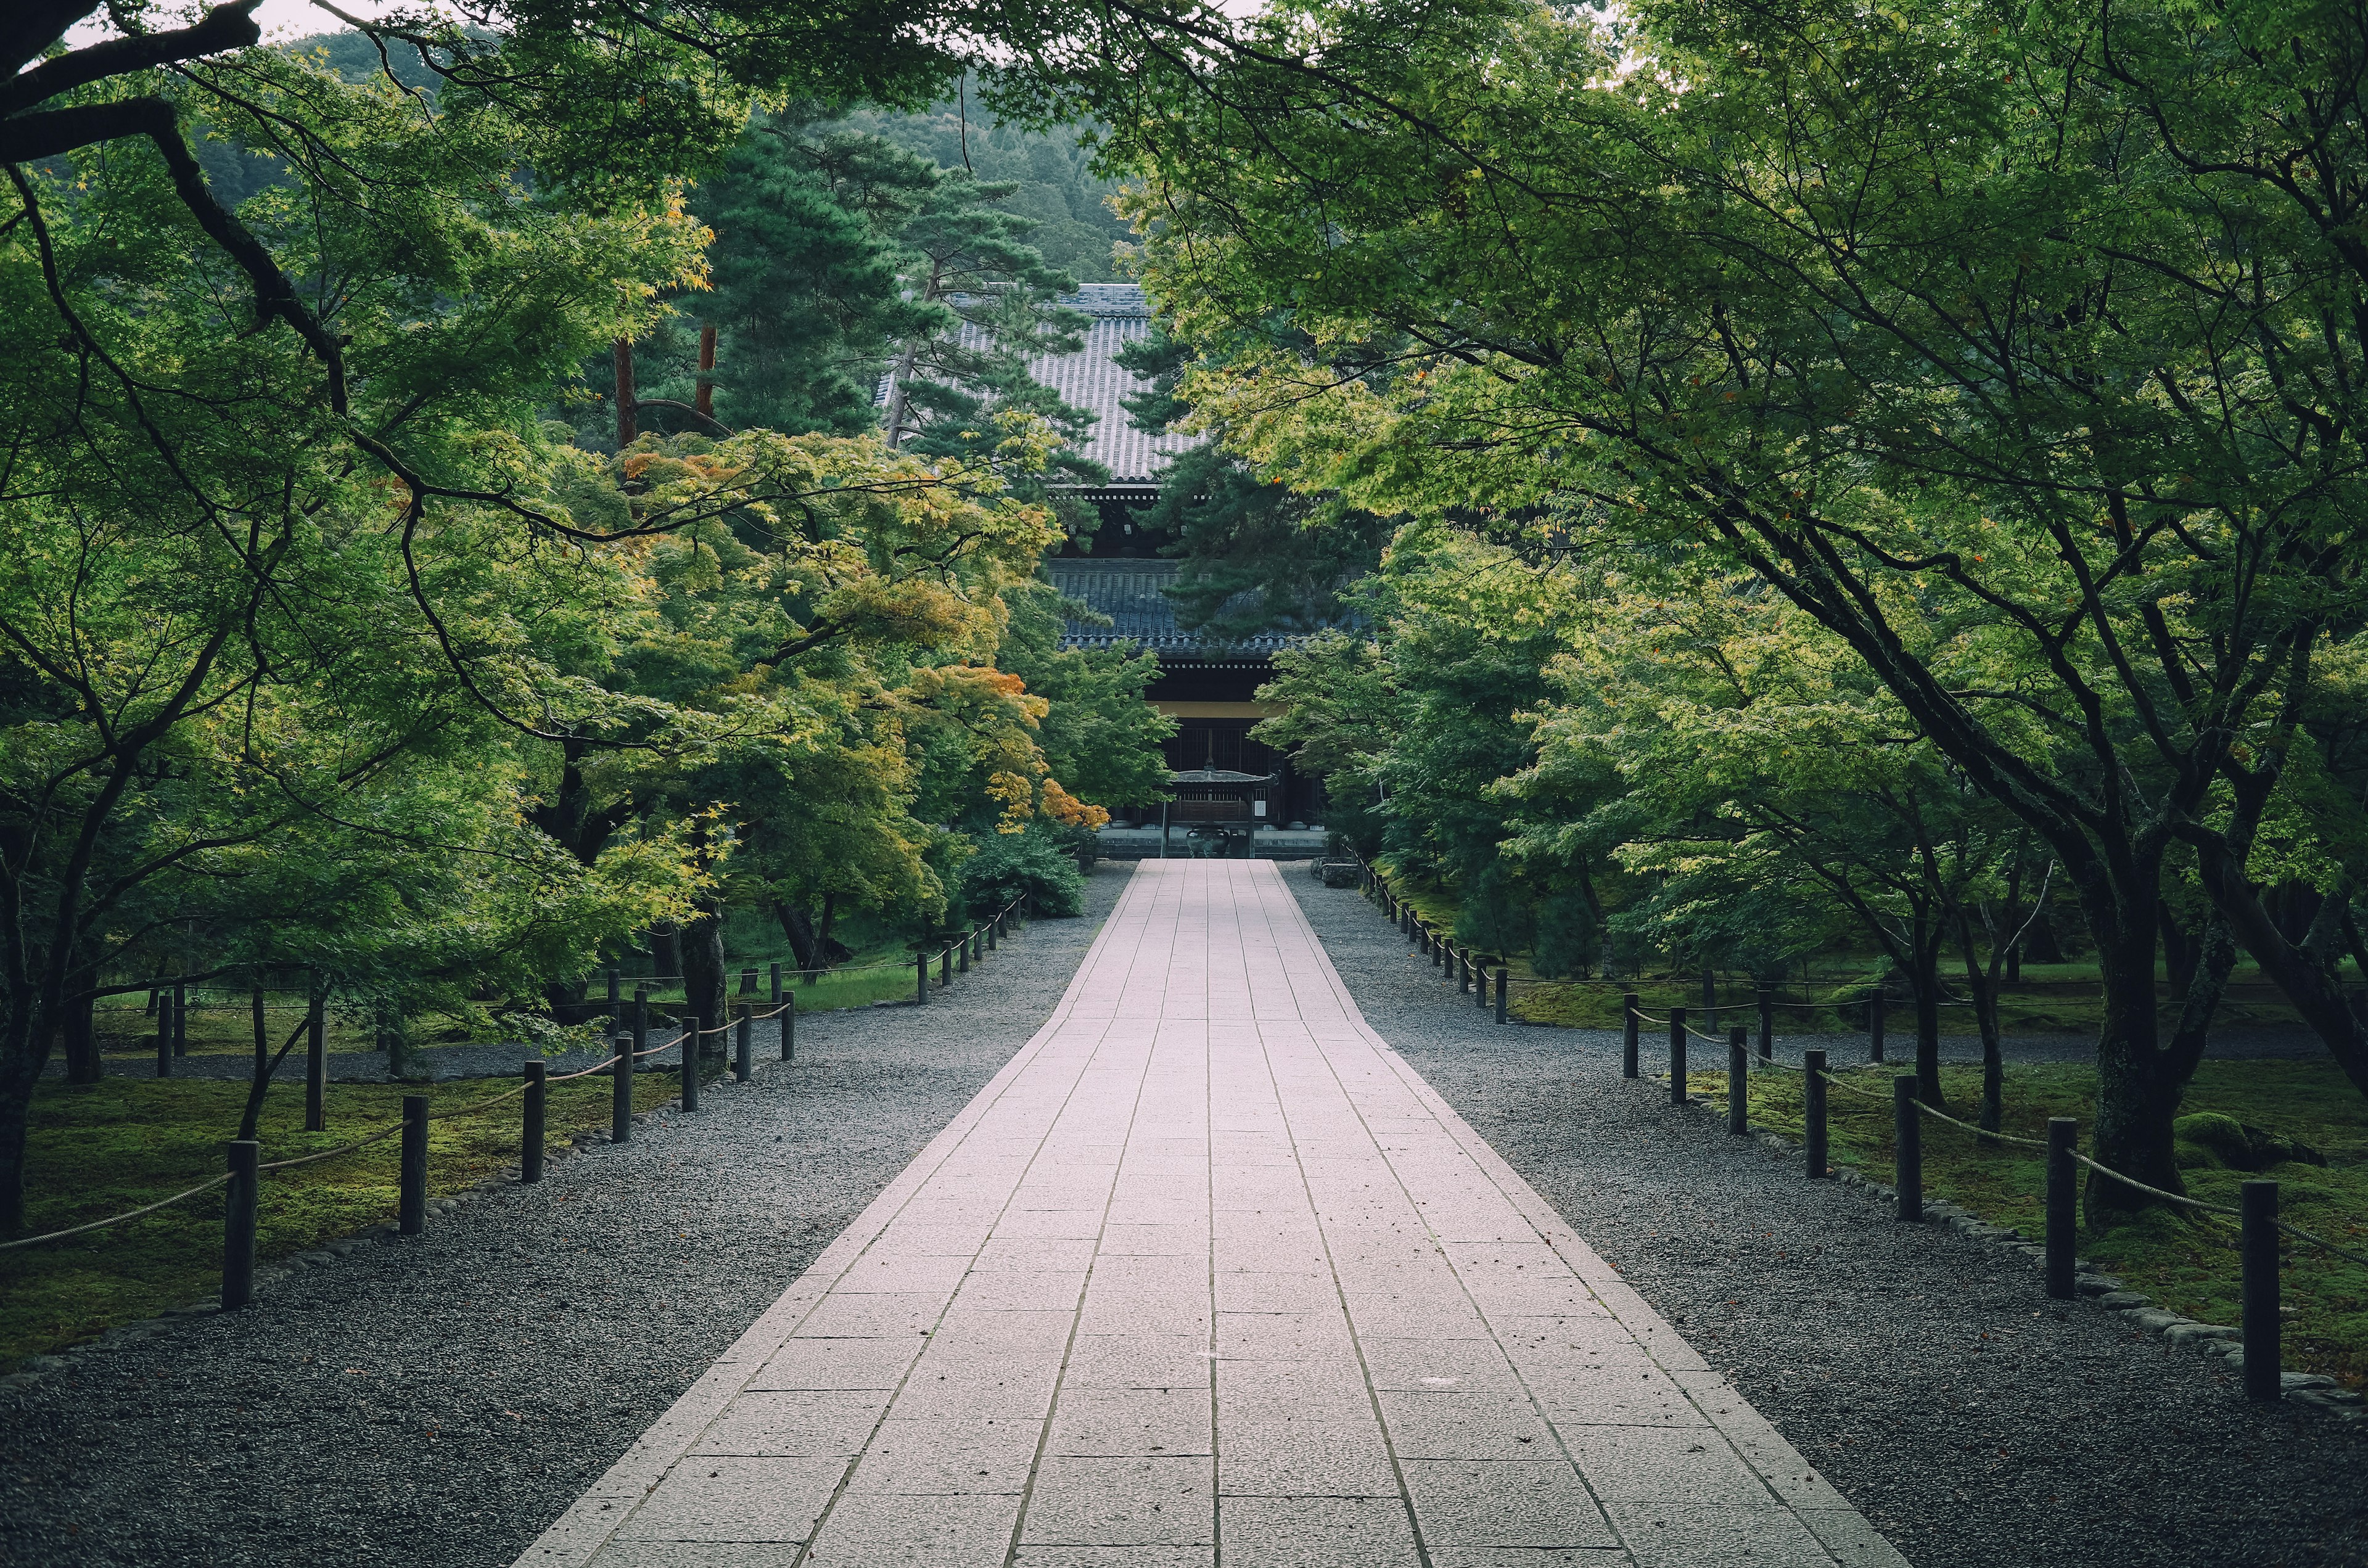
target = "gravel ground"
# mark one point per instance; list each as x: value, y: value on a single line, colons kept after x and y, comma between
x: 440, y: 1400
x: 1976, y: 1423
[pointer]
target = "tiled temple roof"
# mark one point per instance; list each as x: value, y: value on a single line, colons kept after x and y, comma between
x: 1129, y: 591
x: 1093, y: 379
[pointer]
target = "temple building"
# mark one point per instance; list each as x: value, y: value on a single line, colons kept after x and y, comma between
x: 1233, y: 795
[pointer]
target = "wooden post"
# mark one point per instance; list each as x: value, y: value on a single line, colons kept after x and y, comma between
x: 620, y: 1090
x: 1814, y: 1093
x: 2258, y: 1245
x: 628, y: 399
x: 1908, y: 1148
x: 1504, y: 978
x: 531, y: 1132
x: 411, y: 1205
x: 238, y: 1225
x: 2063, y: 1205
x: 1628, y: 1010
x: 748, y: 981
x: 704, y: 399
x: 1738, y: 1082
x: 1677, y: 1056
x: 921, y: 995
x: 744, y: 1057
x: 316, y: 1060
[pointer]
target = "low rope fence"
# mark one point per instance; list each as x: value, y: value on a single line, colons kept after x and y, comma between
x: 2256, y: 1213
x: 627, y: 1044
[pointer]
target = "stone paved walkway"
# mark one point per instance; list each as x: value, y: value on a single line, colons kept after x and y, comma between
x: 1208, y: 1275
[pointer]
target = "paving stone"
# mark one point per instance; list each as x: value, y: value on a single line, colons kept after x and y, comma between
x: 1133, y: 1423
x: 949, y: 1455
x: 727, y: 1499
x: 1443, y: 1424
x: 801, y: 1423
x: 1314, y: 1532
x: 1675, y: 1533
x: 880, y: 1531
x: 1504, y: 1503
x: 1207, y: 1270
x: 698, y: 1554
x: 1122, y: 1501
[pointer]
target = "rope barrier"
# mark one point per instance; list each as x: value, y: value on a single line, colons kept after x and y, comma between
x: 1641, y: 1017
x: 384, y: 1132
x: 119, y: 1218
x: 2104, y: 1170
x: 392, y: 1129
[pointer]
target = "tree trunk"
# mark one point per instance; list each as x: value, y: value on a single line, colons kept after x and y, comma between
x: 12, y: 1160
x: 1982, y: 982
x: 798, y: 927
x: 2138, y: 1084
x: 2216, y: 956
x: 81, y: 1033
x: 705, y: 984
x: 1924, y: 980
x: 2039, y: 944
x: 2181, y: 953
x: 666, y: 950
x: 2308, y: 980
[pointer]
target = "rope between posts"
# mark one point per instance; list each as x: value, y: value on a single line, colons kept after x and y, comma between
x: 2104, y: 1170
x: 117, y: 1218
x: 384, y: 1132
x: 1828, y: 1076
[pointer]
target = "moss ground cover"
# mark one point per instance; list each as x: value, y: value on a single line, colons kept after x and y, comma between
x: 104, y: 1148
x: 100, y: 1149
x: 2188, y: 1264
x: 221, y: 1024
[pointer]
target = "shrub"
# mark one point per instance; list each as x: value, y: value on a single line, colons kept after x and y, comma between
x: 1033, y: 863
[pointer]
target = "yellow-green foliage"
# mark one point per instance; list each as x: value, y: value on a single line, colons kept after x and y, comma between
x: 2188, y: 1264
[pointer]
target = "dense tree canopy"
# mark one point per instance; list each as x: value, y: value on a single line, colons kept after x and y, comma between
x: 323, y: 643
x: 2018, y: 350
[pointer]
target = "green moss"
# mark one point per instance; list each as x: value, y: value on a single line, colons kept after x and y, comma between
x: 104, y: 1148
x: 2187, y: 1262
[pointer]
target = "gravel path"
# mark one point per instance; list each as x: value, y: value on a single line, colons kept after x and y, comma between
x: 439, y: 1401
x: 1976, y: 1423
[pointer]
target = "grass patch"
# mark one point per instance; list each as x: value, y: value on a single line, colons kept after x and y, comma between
x: 221, y: 1025
x: 2189, y: 1264
x: 2032, y: 1009
x: 850, y: 987
x: 100, y: 1149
